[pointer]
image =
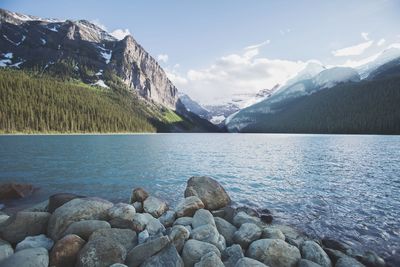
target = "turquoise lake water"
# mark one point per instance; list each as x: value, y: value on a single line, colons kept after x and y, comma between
x: 342, y: 186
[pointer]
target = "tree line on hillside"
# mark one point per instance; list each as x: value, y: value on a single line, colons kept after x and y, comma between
x: 369, y: 107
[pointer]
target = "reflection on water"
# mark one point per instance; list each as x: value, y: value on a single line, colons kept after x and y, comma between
x: 345, y: 187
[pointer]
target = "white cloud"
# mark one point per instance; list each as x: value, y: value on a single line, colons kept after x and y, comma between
x: 364, y: 35
x: 234, y: 75
x: 162, y: 58
x: 354, y: 50
x: 381, y: 42
x: 120, y: 33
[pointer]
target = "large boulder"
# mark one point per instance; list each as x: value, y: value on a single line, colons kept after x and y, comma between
x: 139, y: 195
x: 231, y: 255
x: 85, y: 228
x: 144, y: 251
x: 211, y: 193
x: 188, y: 206
x: 247, y: 233
x: 107, y: 246
x: 168, y: 218
x: 57, y: 200
x: 348, y: 262
x: 194, y: 250
x: 185, y: 221
x: 226, y: 229
x: 76, y: 210
x: 166, y: 257
x: 272, y: 233
x: 121, y: 211
x: 6, y: 250
x: 31, y: 257
x: 242, y: 217
x: 307, y: 263
x: 178, y: 236
x: 23, y: 224
x: 15, y: 190
x: 202, y: 217
x: 274, y: 252
x: 310, y: 250
x: 210, y: 259
x: 65, y: 251
x: 249, y: 262
x: 206, y: 233
x: 142, y: 221
x: 39, y: 241
x: 156, y: 207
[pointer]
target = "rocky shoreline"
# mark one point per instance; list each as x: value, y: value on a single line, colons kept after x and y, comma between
x: 202, y: 230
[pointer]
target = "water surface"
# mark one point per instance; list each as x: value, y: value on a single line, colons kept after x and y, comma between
x: 344, y: 187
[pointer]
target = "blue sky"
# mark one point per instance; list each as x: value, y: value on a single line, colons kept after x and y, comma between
x: 200, y: 38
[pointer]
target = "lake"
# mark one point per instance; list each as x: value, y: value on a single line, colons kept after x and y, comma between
x: 342, y: 186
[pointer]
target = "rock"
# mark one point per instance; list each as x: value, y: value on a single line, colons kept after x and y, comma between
x: 274, y: 252
x: 3, y: 217
x: 194, y: 250
x: 227, y: 213
x: 138, y: 206
x: 39, y: 241
x: 203, y: 217
x: 221, y: 243
x: 15, y: 190
x: 76, y: 210
x: 334, y: 244
x: 226, y: 229
x: 6, y: 250
x: 118, y: 265
x: 122, y: 224
x: 232, y: 255
x: 211, y: 193
x: 57, y: 200
x: 184, y: 221
x: 127, y: 238
x: 166, y: 257
x: 154, y: 226
x: 249, y: 262
x: 249, y: 211
x: 348, y: 262
x: 121, y: 211
x: 188, y: 206
x: 307, y: 263
x: 144, y: 251
x: 85, y: 228
x: 101, y: 252
x: 139, y: 195
x: 154, y: 206
x: 334, y: 255
x: 310, y: 250
x: 210, y: 259
x: 266, y: 218
x: 247, y: 233
x: 178, y: 236
x: 371, y: 259
x: 39, y: 207
x: 24, y: 224
x: 242, y: 217
x: 272, y: 233
x: 31, y: 257
x: 143, y: 236
x: 168, y: 218
x: 140, y: 221
x: 206, y: 233
x: 65, y: 251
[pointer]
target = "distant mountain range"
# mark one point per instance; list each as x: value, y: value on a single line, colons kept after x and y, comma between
x: 83, y: 52
x: 335, y: 100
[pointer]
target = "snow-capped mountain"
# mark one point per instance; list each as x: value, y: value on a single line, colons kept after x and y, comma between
x: 84, y: 51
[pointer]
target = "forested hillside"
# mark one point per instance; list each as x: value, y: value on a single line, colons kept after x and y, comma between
x: 33, y: 102
x: 368, y: 107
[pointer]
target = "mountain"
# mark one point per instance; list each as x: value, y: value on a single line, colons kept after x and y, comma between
x: 81, y: 52
x: 304, y: 84
x: 369, y: 106
x: 194, y: 107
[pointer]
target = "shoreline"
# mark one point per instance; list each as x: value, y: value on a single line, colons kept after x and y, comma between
x: 204, y: 221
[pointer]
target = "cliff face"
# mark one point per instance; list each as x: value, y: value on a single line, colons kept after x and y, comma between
x: 32, y: 42
x: 141, y: 71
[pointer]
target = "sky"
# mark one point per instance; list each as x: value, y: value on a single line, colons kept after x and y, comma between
x: 216, y: 51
